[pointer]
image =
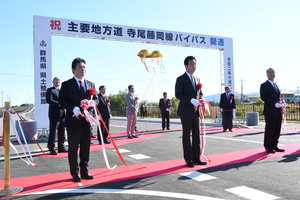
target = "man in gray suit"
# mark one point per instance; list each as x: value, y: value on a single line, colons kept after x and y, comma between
x: 131, y: 112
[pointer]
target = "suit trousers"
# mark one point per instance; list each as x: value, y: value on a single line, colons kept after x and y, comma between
x: 272, y: 131
x: 165, y: 116
x: 103, y: 130
x: 57, y: 125
x: 131, y: 123
x: 191, y: 151
x: 79, y: 136
x: 227, y: 120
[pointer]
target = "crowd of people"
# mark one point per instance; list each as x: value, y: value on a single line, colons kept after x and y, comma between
x: 66, y: 111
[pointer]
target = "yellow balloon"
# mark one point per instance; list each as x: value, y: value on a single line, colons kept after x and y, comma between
x: 156, y: 54
x: 144, y: 53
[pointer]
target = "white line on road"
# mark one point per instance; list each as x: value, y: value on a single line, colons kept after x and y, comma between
x: 139, y: 156
x: 123, y: 151
x: 123, y: 191
x: 197, y: 176
x: 250, y: 193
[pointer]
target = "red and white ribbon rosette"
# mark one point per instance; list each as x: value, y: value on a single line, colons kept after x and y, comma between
x: 283, y: 109
x: 86, y: 104
x: 204, y: 109
x: 199, y: 86
x: 231, y: 98
x: 136, y: 100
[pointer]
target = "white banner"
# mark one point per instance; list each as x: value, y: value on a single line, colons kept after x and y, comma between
x: 44, y: 27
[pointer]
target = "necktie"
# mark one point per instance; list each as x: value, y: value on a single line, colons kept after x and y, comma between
x: 275, y: 87
x: 81, y: 88
x: 192, y: 80
x: 227, y: 95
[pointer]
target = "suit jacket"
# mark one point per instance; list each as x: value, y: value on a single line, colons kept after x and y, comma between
x: 132, y: 106
x: 163, y: 105
x: 70, y: 96
x: 225, y: 103
x: 55, y: 110
x: 103, y: 107
x: 270, y: 97
x: 184, y: 91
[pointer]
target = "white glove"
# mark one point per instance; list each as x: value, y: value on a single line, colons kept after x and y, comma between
x: 167, y: 109
x: 233, y: 110
x: 76, y: 111
x: 195, y: 102
x: 221, y: 109
x: 92, y: 103
x: 278, y: 105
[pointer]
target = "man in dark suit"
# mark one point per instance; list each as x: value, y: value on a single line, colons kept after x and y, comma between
x: 104, y: 109
x: 227, y: 107
x: 270, y: 94
x: 186, y: 92
x: 56, y: 118
x: 164, y: 106
x: 73, y: 91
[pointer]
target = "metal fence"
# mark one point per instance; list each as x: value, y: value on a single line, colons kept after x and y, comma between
x: 292, y: 112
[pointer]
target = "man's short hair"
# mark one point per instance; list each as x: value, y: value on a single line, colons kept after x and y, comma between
x: 102, y: 86
x: 270, y: 70
x: 130, y: 86
x: 77, y: 60
x: 164, y: 93
x: 186, y: 60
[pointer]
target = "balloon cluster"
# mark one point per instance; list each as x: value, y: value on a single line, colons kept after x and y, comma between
x: 155, y: 58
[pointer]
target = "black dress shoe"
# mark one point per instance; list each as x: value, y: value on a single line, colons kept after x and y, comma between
x: 224, y: 130
x: 189, y: 164
x: 62, y: 150
x: 230, y: 130
x: 270, y: 151
x: 106, y: 142
x: 129, y: 137
x: 76, y: 178
x: 162, y: 129
x: 53, y: 152
x: 135, y: 136
x: 86, y: 176
x: 199, y: 162
x: 93, y: 136
x: 168, y: 128
x: 278, y: 150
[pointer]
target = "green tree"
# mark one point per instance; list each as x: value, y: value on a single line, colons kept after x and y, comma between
x: 118, y: 103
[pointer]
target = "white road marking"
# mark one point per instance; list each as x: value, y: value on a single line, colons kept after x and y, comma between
x: 123, y: 150
x: 139, y: 156
x: 251, y: 194
x: 241, y: 140
x: 123, y: 191
x: 197, y: 176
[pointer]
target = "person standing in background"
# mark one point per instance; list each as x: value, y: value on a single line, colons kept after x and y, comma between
x: 227, y: 108
x: 164, y: 106
x: 57, y: 116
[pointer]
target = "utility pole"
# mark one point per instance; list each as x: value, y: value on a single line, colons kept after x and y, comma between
x: 242, y: 90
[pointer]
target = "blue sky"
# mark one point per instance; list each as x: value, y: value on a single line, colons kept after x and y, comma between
x: 265, y: 34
